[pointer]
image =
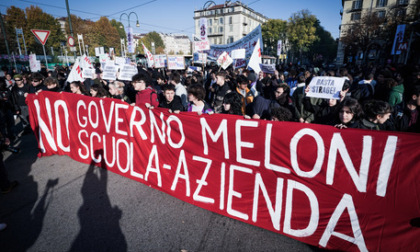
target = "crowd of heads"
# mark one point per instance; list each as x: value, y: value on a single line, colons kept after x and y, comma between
x: 378, y: 97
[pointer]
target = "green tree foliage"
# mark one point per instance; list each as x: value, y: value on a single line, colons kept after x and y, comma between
x: 301, y: 31
x: 147, y: 41
x: 104, y: 34
x: 323, y: 49
x: 15, y: 18
x: 120, y: 28
x: 272, y: 31
x: 37, y: 19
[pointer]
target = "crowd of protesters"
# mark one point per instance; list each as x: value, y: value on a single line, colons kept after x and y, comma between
x: 373, y: 97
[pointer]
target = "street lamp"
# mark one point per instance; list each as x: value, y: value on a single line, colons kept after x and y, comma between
x: 128, y: 16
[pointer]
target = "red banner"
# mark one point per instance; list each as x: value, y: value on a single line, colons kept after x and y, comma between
x: 340, y: 189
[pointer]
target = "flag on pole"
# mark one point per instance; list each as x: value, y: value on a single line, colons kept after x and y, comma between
x: 149, y: 55
x: 224, y: 60
x: 85, y: 62
x: 256, y: 60
x: 76, y: 72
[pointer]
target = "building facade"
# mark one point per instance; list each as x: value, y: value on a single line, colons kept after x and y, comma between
x: 176, y: 43
x: 354, y: 11
x: 228, y: 22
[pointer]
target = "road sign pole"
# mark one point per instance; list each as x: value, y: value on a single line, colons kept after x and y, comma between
x: 45, y: 55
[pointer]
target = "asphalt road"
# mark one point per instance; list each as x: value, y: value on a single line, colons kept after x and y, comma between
x: 64, y: 205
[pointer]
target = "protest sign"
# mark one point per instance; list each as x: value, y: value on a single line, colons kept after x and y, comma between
x: 160, y: 60
x: 127, y: 72
x: 200, y: 58
x: 347, y: 190
x: 248, y: 43
x: 110, y: 71
x: 85, y: 62
x: 203, y: 29
x: 325, y: 87
x: 176, y: 62
x: 268, y: 68
x: 88, y: 73
x: 34, y: 64
x: 120, y: 61
x: 201, y: 45
x: 224, y: 60
x: 238, y: 54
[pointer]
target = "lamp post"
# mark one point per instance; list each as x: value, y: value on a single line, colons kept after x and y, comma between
x: 129, y: 31
x: 128, y: 17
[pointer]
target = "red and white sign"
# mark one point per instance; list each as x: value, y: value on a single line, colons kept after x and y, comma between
x: 347, y: 190
x: 70, y: 41
x: 41, y: 35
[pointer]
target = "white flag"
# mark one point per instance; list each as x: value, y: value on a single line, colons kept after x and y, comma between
x: 85, y: 62
x: 149, y: 55
x: 75, y: 73
x: 255, y: 60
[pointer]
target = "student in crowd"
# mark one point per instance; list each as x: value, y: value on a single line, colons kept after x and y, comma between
x: 179, y: 88
x: 196, y: 94
x: 281, y: 114
x: 37, y: 83
x: 116, y: 91
x: 247, y: 96
x: 170, y: 100
x: 377, y: 114
x: 52, y: 84
x: 221, y: 89
x: 145, y: 93
x: 97, y: 90
x: 76, y: 87
x: 232, y: 104
x: 349, y: 114
x: 19, y: 93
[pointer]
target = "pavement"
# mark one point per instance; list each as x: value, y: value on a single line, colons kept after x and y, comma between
x: 64, y: 205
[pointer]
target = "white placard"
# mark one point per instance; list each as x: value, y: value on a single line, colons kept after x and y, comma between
x: 88, y: 73
x: 224, y: 60
x: 120, y: 61
x: 326, y: 87
x: 160, y: 60
x: 238, y: 54
x: 110, y: 72
x: 268, y: 68
x: 127, y: 72
x: 34, y: 64
x: 176, y: 62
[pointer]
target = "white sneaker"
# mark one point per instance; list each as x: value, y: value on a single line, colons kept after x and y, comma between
x: 2, y: 226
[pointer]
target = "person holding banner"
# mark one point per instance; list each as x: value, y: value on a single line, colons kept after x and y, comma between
x: 232, y: 104
x: 169, y: 100
x: 377, y: 114
x: 180, y: 89
x: 145, y: 93
x: 196, y: 94
x: 116, y: 90
x: 349, y: 114
x: 76, y: 87
x: 52, y: 84
x: 36, y: 83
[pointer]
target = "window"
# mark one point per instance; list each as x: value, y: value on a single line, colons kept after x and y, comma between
x: 402, y: 2
x: 210, y: 21
x: 401, y: 12
x: 231, y: 28
x: 220, y: 41
x: 221, y: 29
x: 357, y: 5
x: 230, y: 20
x: 221, y: 20
x: 381, y: 3
x: 381, y: 14
x: 230, y: 40
x: 356, y: 16
x: 210, y: 30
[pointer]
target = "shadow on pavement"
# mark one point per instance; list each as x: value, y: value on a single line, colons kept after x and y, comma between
x: 21, y: 209
x: 99, y: 220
